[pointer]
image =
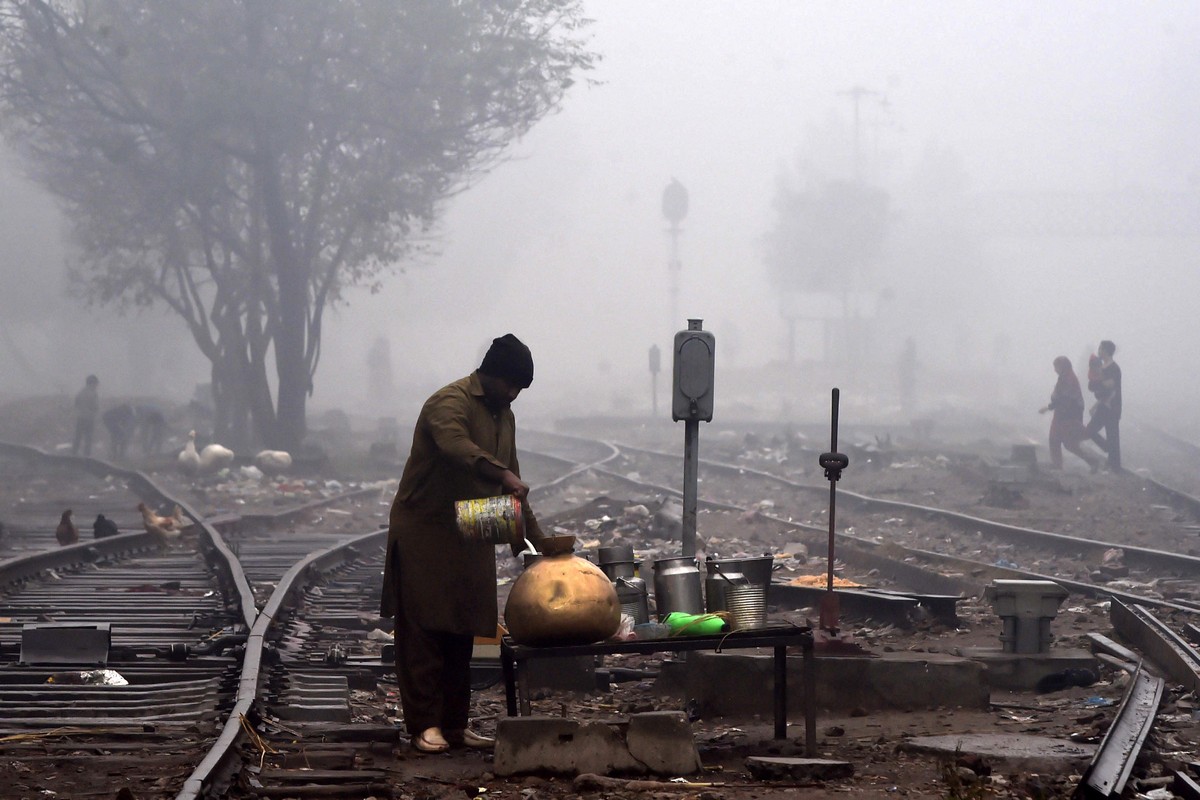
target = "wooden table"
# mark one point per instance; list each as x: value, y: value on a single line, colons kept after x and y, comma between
x: 513, y: 657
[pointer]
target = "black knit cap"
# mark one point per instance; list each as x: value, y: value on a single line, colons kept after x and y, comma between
x: 510, y: 359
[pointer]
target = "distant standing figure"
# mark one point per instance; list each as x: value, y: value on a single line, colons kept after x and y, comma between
x: 151, y: 426
x: 87, y: 406
x: 1106, y: 415
x: 1066, y: 427
x: 119, y: 420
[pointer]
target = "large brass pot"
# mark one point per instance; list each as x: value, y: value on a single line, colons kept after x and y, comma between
x: 562, y: 600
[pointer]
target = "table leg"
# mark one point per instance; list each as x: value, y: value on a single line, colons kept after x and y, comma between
x: 510, y: 679
x: 781, y: 692
x: 810, y: 700
x: 522, y: 689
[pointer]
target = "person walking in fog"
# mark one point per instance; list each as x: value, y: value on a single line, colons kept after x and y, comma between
x: 1106, y: 414
x: 1066, y: 426
x: 441, y: 588
x: 87, y: 406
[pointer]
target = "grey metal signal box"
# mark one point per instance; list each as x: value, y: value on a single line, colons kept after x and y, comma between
x: 695, y: 369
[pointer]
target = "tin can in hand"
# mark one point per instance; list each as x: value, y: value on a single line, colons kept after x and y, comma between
x: 490, y: 520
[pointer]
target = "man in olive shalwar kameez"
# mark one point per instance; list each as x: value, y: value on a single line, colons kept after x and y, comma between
x: 441, y: 588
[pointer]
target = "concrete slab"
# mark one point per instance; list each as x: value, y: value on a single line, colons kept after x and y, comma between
x: 739, y: 684
x: 1012, y: 752
x: 657, y: 742
x: 663, y: 741
x: 539, y: 745
x: 1022, y: 671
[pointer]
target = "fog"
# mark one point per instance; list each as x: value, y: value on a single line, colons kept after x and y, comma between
x: 1043, y: 182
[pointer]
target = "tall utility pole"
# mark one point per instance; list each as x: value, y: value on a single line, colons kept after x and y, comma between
x: 857, y: 93
x: 674, y: 208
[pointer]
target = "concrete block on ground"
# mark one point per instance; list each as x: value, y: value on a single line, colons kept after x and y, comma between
x: 802, y: 770
x: 1023, y: 670
x: 742, y: 684
x: 1012, y: 752
x: 561, y: 747
x: 663, y: 741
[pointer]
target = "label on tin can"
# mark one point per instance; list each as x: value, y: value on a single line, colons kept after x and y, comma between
x: 490, y: 520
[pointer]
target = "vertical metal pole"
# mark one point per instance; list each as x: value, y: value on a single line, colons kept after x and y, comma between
x: 833, y: 462
x: 654, y: 393
x: 810, y: 700
x: 673, y: 270
x: 832, y: 492
x: 781, y: 692
x: 691, y: 462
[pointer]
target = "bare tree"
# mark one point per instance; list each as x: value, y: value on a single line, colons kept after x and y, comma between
x: 824, y: 241
x: 246, y: 161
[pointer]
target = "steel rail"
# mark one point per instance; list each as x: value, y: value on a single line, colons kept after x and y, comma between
x: 221, y: 756
x: 932, y: 581
x: 1133, y: 553
x: 211, y: 776
x: 1163, y: 646
x: 224, y: 560
x: 1117, y: 753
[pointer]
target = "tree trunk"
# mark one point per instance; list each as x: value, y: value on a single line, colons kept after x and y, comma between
x: 293, y: 278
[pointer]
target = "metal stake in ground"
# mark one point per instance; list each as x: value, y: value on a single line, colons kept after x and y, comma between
x: 833, y: 463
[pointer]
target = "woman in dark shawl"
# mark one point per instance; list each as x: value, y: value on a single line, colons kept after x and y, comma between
x: 1066, y: 427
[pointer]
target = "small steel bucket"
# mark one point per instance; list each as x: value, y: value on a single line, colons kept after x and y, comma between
x: 717, y: 582
x: 490, y: 520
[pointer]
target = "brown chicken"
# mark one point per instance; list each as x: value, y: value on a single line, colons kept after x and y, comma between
x: 165, y: 527
x: 67, y: 531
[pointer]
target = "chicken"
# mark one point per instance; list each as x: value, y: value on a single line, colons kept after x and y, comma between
x: 273, y: 461
x: 103, y: 527
x: 189, y: 459
x: 67, y: 531
x: 163, y: 527
x: 215, y: 456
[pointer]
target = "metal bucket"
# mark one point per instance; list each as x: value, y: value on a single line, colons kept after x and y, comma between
x: 490, y: 520
x: 677, y: 586
x: 614, y: 553
x: 719, y: 579
x: 757, y: 570
x: 618, y: 569
x: 747, y: 606
x: 631, y: 594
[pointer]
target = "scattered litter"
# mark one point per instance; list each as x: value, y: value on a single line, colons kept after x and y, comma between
x: 822, y: 580
x: 1098, y: 702
x: 251, y: 472
x: 91, y: 677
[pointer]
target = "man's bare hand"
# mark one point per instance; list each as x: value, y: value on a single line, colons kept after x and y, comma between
x: 514, y: 485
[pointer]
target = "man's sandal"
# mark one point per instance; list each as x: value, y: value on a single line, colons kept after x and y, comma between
x: 431, y: 741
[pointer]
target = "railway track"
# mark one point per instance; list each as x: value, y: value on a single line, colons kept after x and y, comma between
x: 263, y: 623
